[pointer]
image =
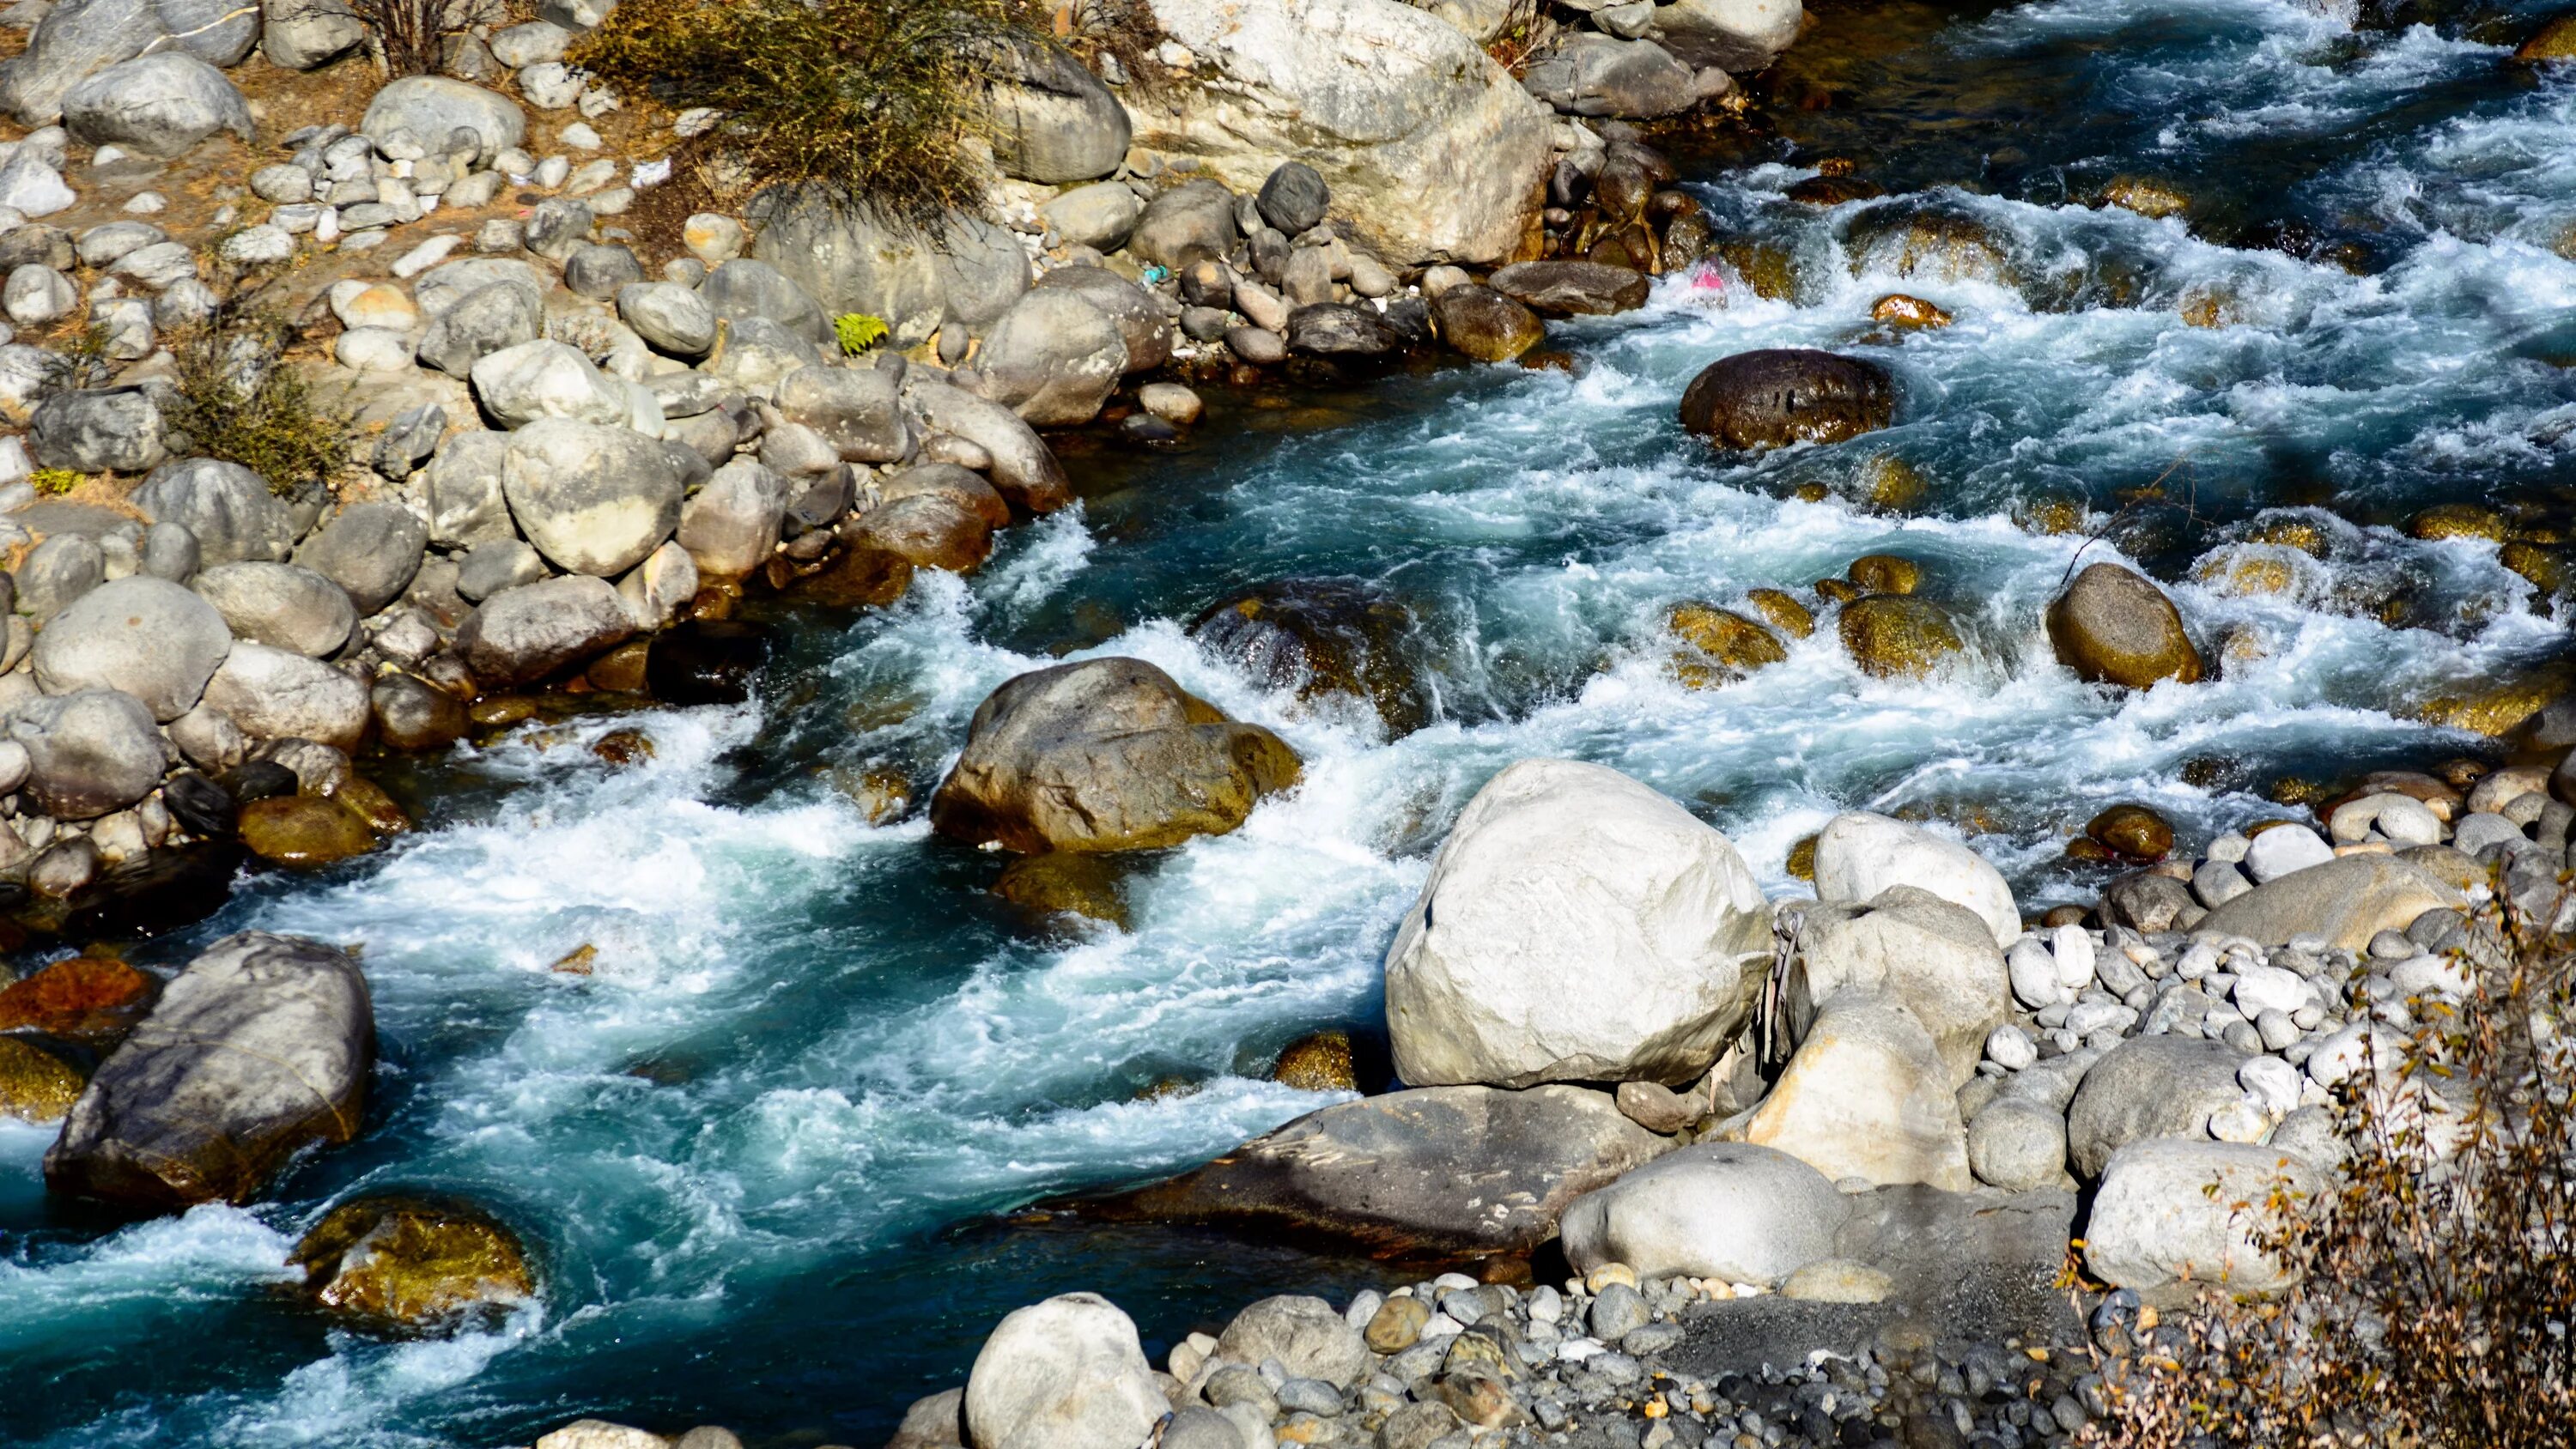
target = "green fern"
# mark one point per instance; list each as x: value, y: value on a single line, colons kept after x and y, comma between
x: 858, y: 332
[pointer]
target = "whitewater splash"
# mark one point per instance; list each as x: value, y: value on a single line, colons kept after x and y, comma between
x: 810, y: 1047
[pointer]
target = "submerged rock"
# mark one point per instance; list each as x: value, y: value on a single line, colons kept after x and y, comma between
x: 35, y: 1085
x: 2113, y: 626
x: 1898, y: 635
x: 1070, y: 882
x: 1321, y: 636
x: 261, y: 1047
x: 1109, y: 754
x: 304, y: 831
x: 1385, y: 1171
x: 413, y: 1263
x: 1778, y: 396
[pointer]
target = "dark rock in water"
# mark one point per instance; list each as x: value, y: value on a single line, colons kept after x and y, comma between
x: 412, y: 714
x: 1484, y: 324
x: 706, y: 662
x: 304, y: 831
x: 1411, y: 319
x: 1333, y: 329
x: 414, y: 1264
x: 1068, y: 883
x: 1778, y: 396
x: 1569, y: 288
x: 83, y: 997
x: 1321, y: 636
x: 260, y: 1048
x: 169, y: 888
x: 201, y: 806
x: 1387, y: 1171
x: 861, y: 578
x: 2114, y: 626
x: 1108, y: 754
x: 259, y: 780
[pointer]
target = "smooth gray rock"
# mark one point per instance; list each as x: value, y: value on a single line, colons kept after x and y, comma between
x: 88, y: 753
x: 1066, y: 1373
x: 432, y: 108
x: 145, y: 636
x: 744, y: 287
x: 1023, y: 468
x: 462, y: 486
x: 600, y: 270
x: 277, y: 694
x: 1599, y: 75
x: 281, y: 605
x: 2346, y: 899
x: 111, y: 429
x: 2018, y: 1145
x: 1936, y: 956
x: 371, y: 550
x: 503, y: 563
x: 858, y: 411
x: 523, y: 634
x: 1053, y: 359
x: 2171, y: 1210
x: 848, y: 259
x: 59, y: 572
x: 36, y: 295
x: 1303, y: 1333
x: 670, y: 317
x: 159, y: 105
x: 227, y: 507
x: 545, y: 379
x: 1191, y: 222
x: 490, y: 319
x: 1144, y: 324
x: 1729, y: 1210
x: 260, y: 1048
x: 2149, y: 1086
x: 593, y: 499
x: 77, y: 39
x: 308, y: 34
x: 758, y: 354
x: 448, y: 283
x: 1384, y: 1171
x: 170, y: 552
x: 1294, y: 198
x: 1738, y: 36
x: 1052, y: 121
x: 1100, y: 216
x: 731, y: 525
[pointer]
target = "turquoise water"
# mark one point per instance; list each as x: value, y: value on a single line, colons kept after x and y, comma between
x: 772, y: 1151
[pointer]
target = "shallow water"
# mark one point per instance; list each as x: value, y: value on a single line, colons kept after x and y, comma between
x: 773, y: 1148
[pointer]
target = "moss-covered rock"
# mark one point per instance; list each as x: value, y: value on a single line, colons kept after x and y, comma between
x: 1724, y: 645
x: 2114, y: 626
x: 1066, y: 882
x: 80, y: 997
x: 304, y: 831
x: 2132, y: 832
x: 1322, y: 637
x: 414, y: 1264
x: 1885, y: 573
x: 35, y: 1085
x: 1898, y: 635
x: 1899, y: 310
x: 2457, y: 520
x: 1321, y: 1062
x: 2152, y: 199
x: 1782, y: 611
x: 1484, y: 324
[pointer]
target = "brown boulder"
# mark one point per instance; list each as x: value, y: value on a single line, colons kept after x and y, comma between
x: 1484, y: 324
x: 35, y: 1085
x: 1067, y: 883
x: 82, y: 996
x: 413, y: 1264
x: 2113, y: 626
x: 304, y: 831
x: 1782, y: 395
x: 927, y: 530
x: 1724, y: 645
x: 1572, y: 289
x: 1898, y: 634
x: 1321, y: 637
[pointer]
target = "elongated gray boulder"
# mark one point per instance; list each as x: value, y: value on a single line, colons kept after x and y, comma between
x: 593, y: 499
x: 1107, y: 754
x: 1738, y: 36
x: 1936, y: 956
x: 2174, y: 1210
x: 2149, y: 1087
x: 1445, y: 1170
x: 226, y: 506
x: 2347, y: 900
x: 523, y: 634
x: 77, y: 39
x: 88, y: 752
x: 371, y: 550
x: 1053, y: 358
x: 280, y: 605
x: 260, y: 1048
x: 1590, y: 74
x: 161, y: 104
x: 915, y: 277
x: 859, y: 411
x: 1052, y: 121
x: 490, y: 319
x: 107, y: 429
x: 147, y: 637
x: 1024, y: 469
x: 1559, y: 872
x: 432, y: 108
x: 1304, y: 1333
x: 547, y: 379
x: 1726, y: 1210
x: 1429, y: 148
x: 1067, y: 1373
x: 278, y: 694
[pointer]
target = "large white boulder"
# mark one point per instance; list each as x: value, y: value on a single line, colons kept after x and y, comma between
x: 1860, y: 854
x: 1867, y: 1095
x: 1067, y: 1373
x: 1936, y: 957
x: 1429, y: 148
x: 2171, y: 1209
x: 1727, y: 1210
x: 1577, y: 926
x: 146, y: 636
x: 274, y: 694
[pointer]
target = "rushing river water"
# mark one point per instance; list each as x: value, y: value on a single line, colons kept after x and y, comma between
x: 770, y: 1149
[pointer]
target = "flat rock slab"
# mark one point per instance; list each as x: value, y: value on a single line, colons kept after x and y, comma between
x: 1432, y: 1172
x: 1974, y: 1266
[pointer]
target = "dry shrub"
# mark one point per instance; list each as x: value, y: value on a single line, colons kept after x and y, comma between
x: 241, y: 403
x: 2437, y: 1293
x: 407, y: 35
x: 878, y: 100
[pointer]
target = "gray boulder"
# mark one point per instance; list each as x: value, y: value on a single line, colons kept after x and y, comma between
x: 1191, y: 222
x: 594, y: 500
x: 2175, y: 1211
x: 1139, y: 315
x: 859, y: 411
x: 111, y: 429
x: 448, y: 283
x: 730, y: 526
x: 2148, y: 1087
x: 88, y: 752
x: 523, y: 634
x: 1023, y: 468
x: 600, y: 270
x: 747, y: 288
x: 1305, y: 1334
x: 432, y: 108
x: 77, y: 39
x: 1737, y: 36
x: 547, y: 379
x: 371, y: 550
x: 757, y: 354
x: 1100, y: 216
x: 462, y: 486
x: 261, y: 1048
x: 2018, y: 1145
x: 504, y: 563
x: 280, y: 605
x: 1052, y: 120
x: 670, y: 317
x: 1589, y: 74
x: 1067, y: 1373
x: 852, y: 259
x: 1053, y: 358
x: 144, y: 636
x: 308, y: 34
x: 1107, y: 754
x: 2347, y: 900
x: 277, y: 694
x: 1384, y: 1171
x: 227, y: 507
x: 159, y: 105
x: 58, y: 572
x: 489, y: 319
x: 1727, y: 1210
x: 1293, y: 198
x: 1937, y: 957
